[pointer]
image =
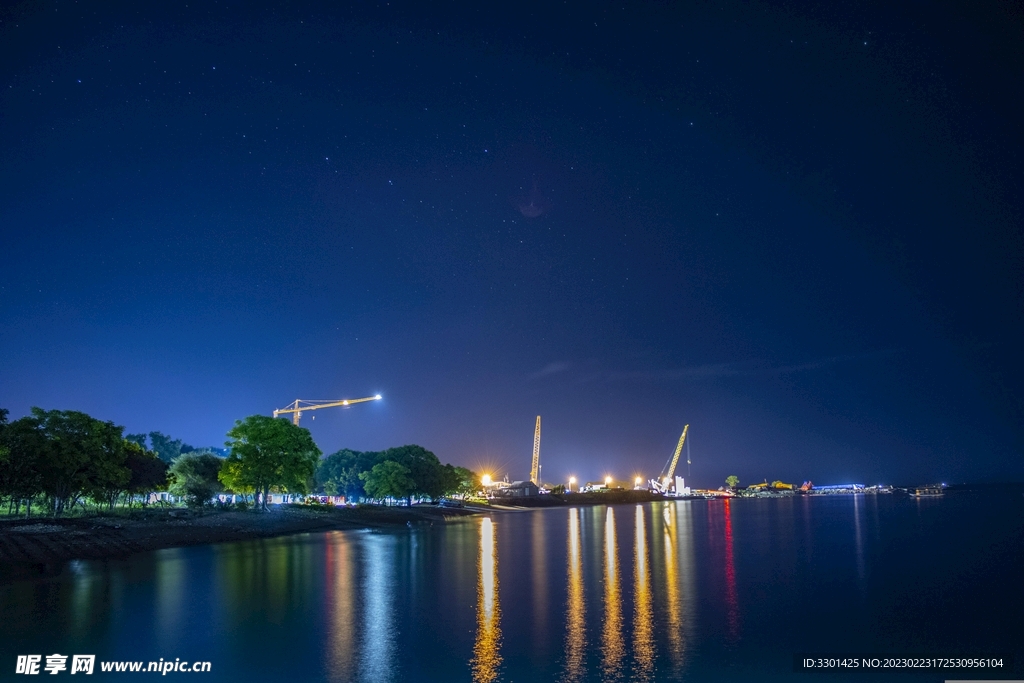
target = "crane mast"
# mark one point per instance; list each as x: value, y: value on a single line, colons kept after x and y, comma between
x: 668, y: 483
x: 297, y: 407
x: 535, y: 465
x: 675, y: 456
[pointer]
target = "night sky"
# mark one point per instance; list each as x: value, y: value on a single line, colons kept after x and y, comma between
x: 796, y: 228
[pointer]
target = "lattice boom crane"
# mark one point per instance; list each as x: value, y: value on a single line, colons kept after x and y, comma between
x: 667, y: 480
x: 299, y: 406
x: 535, y: 465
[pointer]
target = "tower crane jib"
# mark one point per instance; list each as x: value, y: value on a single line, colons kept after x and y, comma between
x: 297, y: 407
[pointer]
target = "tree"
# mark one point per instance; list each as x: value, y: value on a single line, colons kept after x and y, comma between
x: 23, y: 447
x: 467, y: 481
x: 268, y: 452
x: 233, y: 478
x: 148, y: 471
x: 195, y: 476
x: 136, y: 438
x: 74, y: 454
x: 424, y: 469
x: 388, y: 479
x: 167, y: 448
x: 732, y: 481
x: 108, y: 475
x: 340, y: 472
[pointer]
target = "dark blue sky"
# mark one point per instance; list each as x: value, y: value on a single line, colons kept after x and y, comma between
x: 797, y: 229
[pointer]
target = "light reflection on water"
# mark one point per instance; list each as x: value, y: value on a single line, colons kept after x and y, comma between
x: 731, y: 599
x: 673, y: 605
x: 379, y: 629
x: 657, y: 592
x: 341, y: 600
x: 611, y: 639
x: 575, y: 605
x: 486, y: 650
x: 643, y: 640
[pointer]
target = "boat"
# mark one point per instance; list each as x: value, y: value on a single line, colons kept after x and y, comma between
x: 931, y: 491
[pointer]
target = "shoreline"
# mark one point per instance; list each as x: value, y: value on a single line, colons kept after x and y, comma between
x: 38, y: 546
x: 35, y: 546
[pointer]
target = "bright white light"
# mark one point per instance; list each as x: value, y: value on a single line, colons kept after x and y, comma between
x: 637, y: 481
x: 377, y: 397
x: 486, y: 480
x: 572, y: 480
x: 607, y: 481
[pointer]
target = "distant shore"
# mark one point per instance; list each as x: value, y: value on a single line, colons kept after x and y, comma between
x: 33, y: 546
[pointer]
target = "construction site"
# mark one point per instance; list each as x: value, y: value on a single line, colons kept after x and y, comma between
x: 668, y: 483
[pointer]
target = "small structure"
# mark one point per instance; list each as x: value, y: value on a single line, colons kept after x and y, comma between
x: 518, y: 489
x: 930, y: 491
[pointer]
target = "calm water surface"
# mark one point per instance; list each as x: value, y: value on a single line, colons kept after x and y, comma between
x: 688, y: 590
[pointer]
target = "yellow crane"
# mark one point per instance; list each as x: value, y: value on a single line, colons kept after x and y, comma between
x: 535, y: 465
x: 667, y: 481
x: 299, y: 406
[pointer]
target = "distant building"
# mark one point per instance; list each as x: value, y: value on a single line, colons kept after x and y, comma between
x: 519, y: 489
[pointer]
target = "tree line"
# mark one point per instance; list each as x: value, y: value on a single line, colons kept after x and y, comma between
x: 62, y: 459
x: 403, y: 472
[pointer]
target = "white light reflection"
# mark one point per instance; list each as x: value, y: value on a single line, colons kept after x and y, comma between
x: 377, y: 660
x: 860, y: 539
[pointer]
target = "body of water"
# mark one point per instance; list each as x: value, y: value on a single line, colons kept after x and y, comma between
x: 674, y: 591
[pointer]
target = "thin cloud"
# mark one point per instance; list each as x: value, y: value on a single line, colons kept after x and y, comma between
x: 550, y: 369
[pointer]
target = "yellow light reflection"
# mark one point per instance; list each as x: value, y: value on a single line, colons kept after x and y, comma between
x: 575, y: 607
x: 612, y: 648
x: 643, y: 639
x: 486, y: 650
x: 674, y: 608
x: 540, y: 585
x: 341, y: 601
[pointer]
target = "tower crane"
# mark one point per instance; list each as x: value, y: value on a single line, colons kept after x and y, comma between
x: 668, y: 483
x: 535, y: 465
x: 299, y: 406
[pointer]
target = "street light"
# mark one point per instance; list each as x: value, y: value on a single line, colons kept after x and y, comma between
x: 572, y: 482
x: 607, y: 482
x: 485, y: 480
x: 637, y: 482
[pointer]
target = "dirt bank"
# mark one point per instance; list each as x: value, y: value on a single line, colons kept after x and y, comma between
x: 28, y: 545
